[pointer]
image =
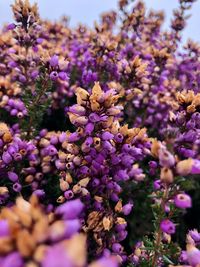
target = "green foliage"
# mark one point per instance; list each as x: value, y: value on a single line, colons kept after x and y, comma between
x: 37, y: 103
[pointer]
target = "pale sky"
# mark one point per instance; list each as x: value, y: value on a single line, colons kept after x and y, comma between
x: 87, y: 11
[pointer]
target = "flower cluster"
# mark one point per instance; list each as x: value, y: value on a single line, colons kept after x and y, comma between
x: 99, y: 140
x: 29, y: 237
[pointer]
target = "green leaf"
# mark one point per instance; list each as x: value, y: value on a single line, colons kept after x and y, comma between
x: 167, y: 260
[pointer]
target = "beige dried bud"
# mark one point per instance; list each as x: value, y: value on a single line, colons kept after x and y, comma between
x: 95, y: 106
x: 96, y: 91
x: 3, y: 128
x: 190, y: 96
x: 3, y: 190
x: 184, y: 167
x: 124, y: 130
x: 68, y: 178
x: 156, y: 145
x: 24, y: 217
x: 62, y: 155
x: 180, y: 98
x: 60, y: 199
x: 76, y: 189
x: 166, y: 175
x: 84, y: 192
x: 25, y: 243
x: 82, y: 95
x: 97, y: 142
x: 64, y: 185
x: 7, y: 137
x: 44, y: 142
x: 118, y: 207
x: 25, y: 13
x: 107, y: 223
x: 6, y: 245
x: 69, y: 157
x: 138, y: 252
x: 56, y: 230
x: 196, y: 100
x: 40, y: 232
x: 120, y: 220
x: 84, y: 182
x: 167, y: 238
x: 191, y: 108
x: 93, y: 219
x: 31, y: 264
x: 29, y: 179
x: 108, y: 123
x: 172, y: 116
x: 76, y: 246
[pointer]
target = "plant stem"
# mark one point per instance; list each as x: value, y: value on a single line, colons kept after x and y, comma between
x: 35, y: 103
x: 159, y: 232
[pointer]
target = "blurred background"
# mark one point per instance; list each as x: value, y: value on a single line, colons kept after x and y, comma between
x: 87, y: 11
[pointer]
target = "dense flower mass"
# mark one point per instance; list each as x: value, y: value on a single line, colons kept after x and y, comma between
x: 99, y: 140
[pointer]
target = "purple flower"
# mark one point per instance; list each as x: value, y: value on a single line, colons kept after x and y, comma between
x: 51, y: 150
x: 126, y: 209
x: 105, y: 262
x: 53, y: 61
x: 195, y: 235
x: 39, y: 192
x: 117, y: 248
x: 34, y: 74
x: 71, y: 209
x: 39, y: 40
x: 13, y: 260
x: 183, y: 201
x: 183, y: 257
x: 157, y: 185
x: 22, y: 78
x: 77, y: 109
x: 4, y: 228
x: 68, y: 194
x: 54, y: 76
x: 195, y: 167
x: 93, y: 117
x: 63, y: 76
x: 193, y: 255
x: 167, y: 226
x: 119, y: 138
x: 11, y: 26
x: 13, y: 176
x: 56, y: 256
x: 17, y: 187
x: 166, y: 159
x: 6, y: 157
x: 73, y: 137
x: 61, y: 230
x: 153, y: 164
x: 89, y: 128
x: 107, y: 136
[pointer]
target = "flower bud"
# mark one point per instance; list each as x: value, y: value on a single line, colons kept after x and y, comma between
x: 183, y: 201
x: 53, y: 61
x: 166, y: 175
x: 71, y: 209
x: 167, y: 226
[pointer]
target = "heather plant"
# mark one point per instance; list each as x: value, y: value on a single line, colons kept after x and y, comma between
x: 99, y: 140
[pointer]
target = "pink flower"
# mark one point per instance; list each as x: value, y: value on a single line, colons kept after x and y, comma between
x: 167, y: 226
x: 193, y: 255
x: 183, y: 201
x: 56, y: 256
